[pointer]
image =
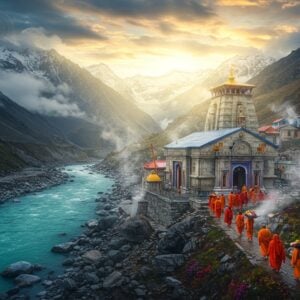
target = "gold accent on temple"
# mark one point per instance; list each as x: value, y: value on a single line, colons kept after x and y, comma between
x: 231, y: 77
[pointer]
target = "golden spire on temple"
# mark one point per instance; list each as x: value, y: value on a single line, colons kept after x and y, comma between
x: 231, y: 77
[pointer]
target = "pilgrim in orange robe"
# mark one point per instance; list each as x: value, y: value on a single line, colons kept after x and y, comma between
x: 264, y: 237
x: 276, y: 253
x: 231, y: 199
x: 239, y: 202
x: 295, y: 261
x: 218, y: 208
x: 239, y: 221
x: 228, y: 216
x: 222, y: 198
x: 249, y: 228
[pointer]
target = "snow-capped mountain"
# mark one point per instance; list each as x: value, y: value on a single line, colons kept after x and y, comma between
x: 153, y: 93
x: 45, y: 82
x: 107, y: 76
x: 245, y: 67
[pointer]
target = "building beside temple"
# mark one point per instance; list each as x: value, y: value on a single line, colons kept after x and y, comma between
x: 229, y: 153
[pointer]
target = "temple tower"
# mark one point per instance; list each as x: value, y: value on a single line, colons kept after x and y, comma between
x: 231, y: 106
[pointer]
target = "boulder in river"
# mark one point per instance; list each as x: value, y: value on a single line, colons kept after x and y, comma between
x: 63, y: 248
x: 24, y: 280
x: 18, y: 268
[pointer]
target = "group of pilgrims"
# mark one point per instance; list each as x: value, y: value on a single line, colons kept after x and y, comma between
x: 271, y: 246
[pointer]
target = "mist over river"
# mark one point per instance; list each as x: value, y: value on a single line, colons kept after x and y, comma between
x: 29, y: 228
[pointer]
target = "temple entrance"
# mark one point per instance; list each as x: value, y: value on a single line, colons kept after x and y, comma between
x: 177, y: 175
x: 239, y: 177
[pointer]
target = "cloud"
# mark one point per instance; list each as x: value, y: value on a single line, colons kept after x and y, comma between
x: 179, y: 9
x: 38, y: 95
x: 21, y: 15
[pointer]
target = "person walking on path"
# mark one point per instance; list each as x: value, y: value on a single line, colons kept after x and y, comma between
x: 276, y: 253
x: 249, y: 228
x: 240, y: 224
x: 264, y: 237
x: 218, y: 208
x: 295, y: 261
x: 228, y: 216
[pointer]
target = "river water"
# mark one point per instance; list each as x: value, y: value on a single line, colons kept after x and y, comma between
x: 30, y: 228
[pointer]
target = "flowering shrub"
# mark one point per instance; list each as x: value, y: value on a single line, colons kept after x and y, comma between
x: 195, y: 271
x: 238, y: 289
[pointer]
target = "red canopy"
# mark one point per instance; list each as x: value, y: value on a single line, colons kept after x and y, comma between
x: 160, y: 164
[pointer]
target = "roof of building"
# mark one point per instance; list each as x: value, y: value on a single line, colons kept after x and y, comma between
x: 159, y: 164
x: 268, y: 129
x: 204, y: 138
x: 153, y: 177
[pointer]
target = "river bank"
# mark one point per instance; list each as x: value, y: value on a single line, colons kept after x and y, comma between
x: 30, y: 180
x: 30, y: 227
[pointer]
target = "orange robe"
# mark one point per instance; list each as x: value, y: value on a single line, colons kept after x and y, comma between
x: 276, y: 253
x: 222, y: 198
x: 295, y: 261
x: 231, y: 200
x: 264, y: 237
x: 218, y: 208
x: 239, y: 221
x: 238, y: 201
x: 249, y: 228
x: 244, y: 189
x: 228, y: 216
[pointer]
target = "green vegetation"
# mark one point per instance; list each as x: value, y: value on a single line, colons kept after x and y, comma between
x: 235, y: 278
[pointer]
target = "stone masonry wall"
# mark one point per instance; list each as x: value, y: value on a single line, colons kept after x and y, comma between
x: 164, y: 211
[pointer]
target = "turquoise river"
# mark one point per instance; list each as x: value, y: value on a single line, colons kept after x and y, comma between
x: 29, y: 228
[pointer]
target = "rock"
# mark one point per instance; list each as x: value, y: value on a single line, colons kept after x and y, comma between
x: 68, y: 262
x: 42, y: 294
x: 92, y: 278
x: 136, y: 229
x: 140, y: 292
x: 173, y: 282
x: 172, y: 242
x: 117, y: 243
x: 285, y: 228
x: 26, y: 280
x: 145, y: 271
x: 115, y: 255
x: 92, y: 256
x: 168, y: 262
x: 102, y: 213
x: 190, y: 246
x: 47, y: 283
x: 92, y: 224
x: 125, y: 248
x: 69, y: 284
x: 17, y: 268
x: 114, y: 279
x: 107, y: 222
x: 63, y: 248
x: 225, y: 259
x: 274, y: 227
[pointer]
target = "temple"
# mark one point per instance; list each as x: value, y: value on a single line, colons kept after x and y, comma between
x: 229, y: 153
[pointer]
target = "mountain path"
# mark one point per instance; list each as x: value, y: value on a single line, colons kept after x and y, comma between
x: 251, y: 250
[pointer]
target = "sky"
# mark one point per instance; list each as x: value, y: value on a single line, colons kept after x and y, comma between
x: 153, y: 37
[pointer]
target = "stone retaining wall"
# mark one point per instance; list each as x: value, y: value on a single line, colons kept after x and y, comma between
x: 163, y: 210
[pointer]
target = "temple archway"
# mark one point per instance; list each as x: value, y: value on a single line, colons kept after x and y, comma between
x: 177, y: 175
x: 239, y: 177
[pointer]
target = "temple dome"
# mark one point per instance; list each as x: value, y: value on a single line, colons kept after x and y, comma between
x: 153, y: 177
